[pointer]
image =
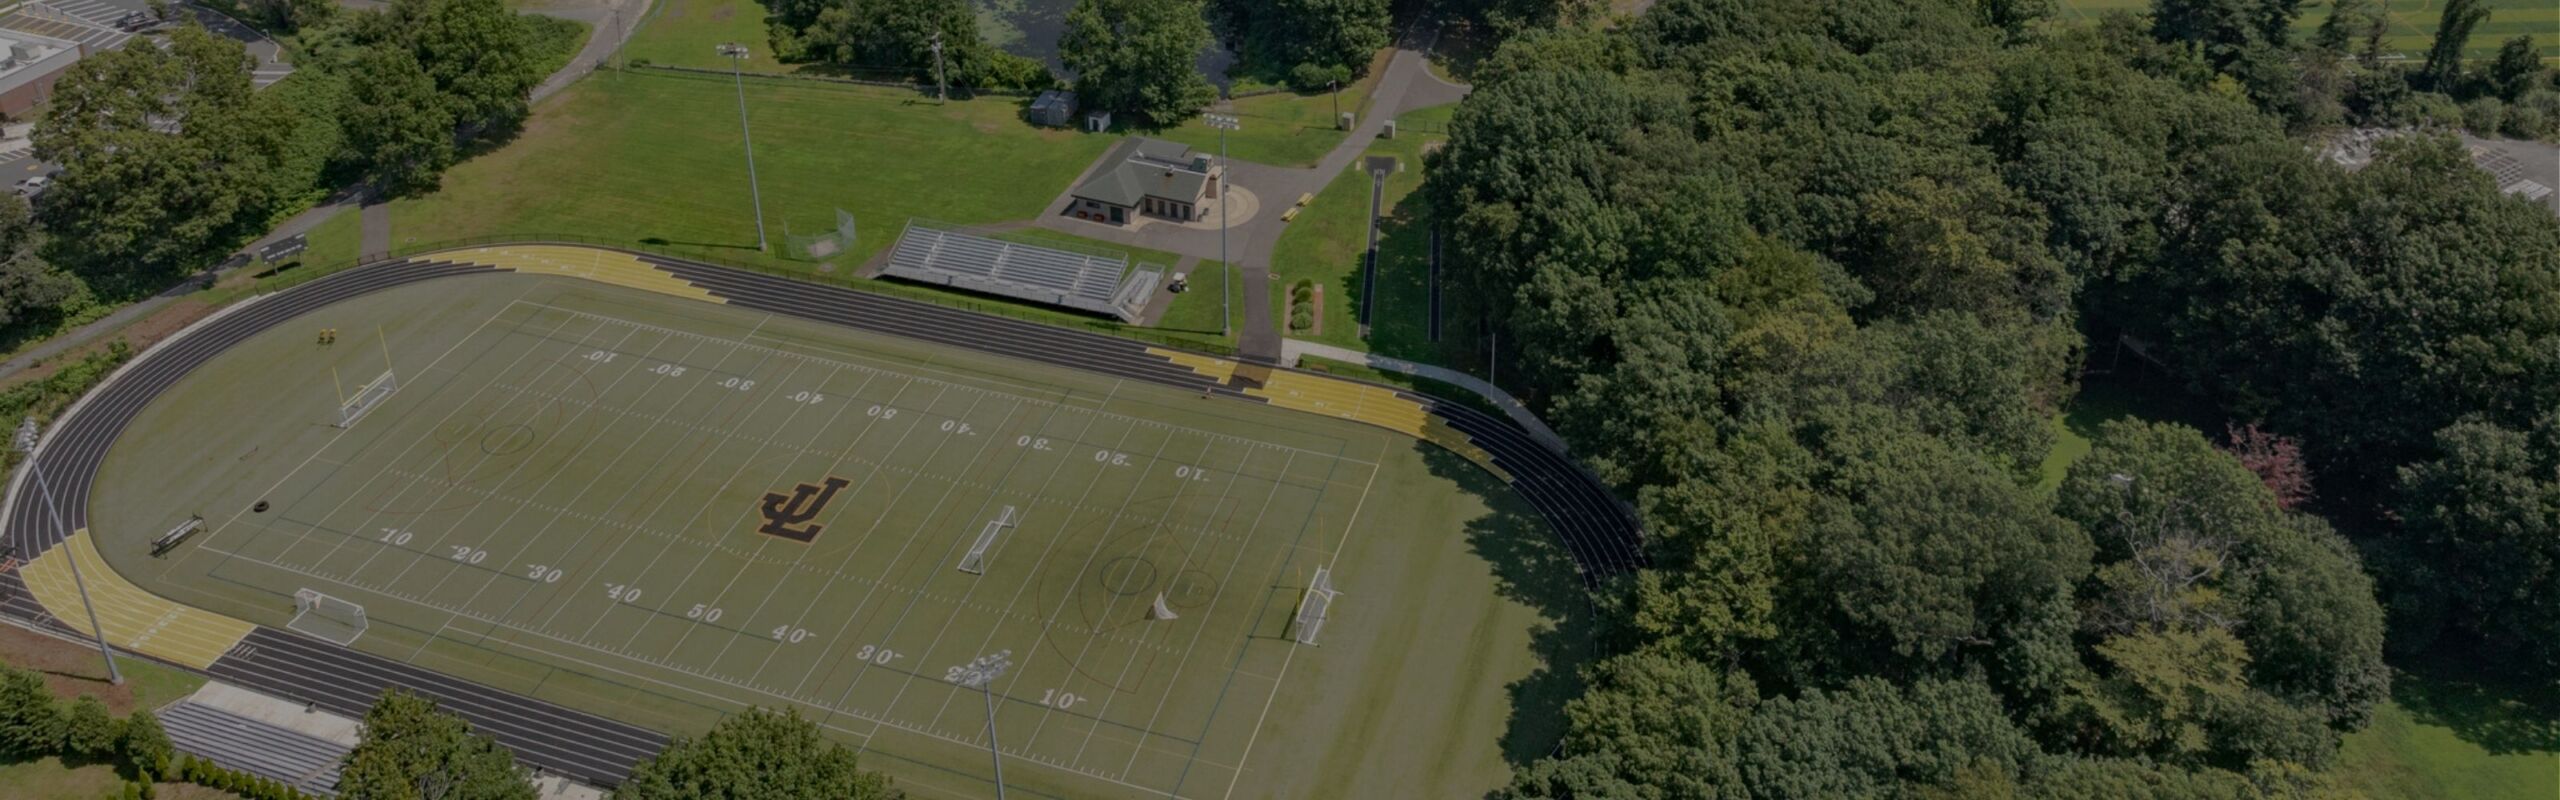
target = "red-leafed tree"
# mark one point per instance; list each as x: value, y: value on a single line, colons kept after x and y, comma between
x: 2276, y: 459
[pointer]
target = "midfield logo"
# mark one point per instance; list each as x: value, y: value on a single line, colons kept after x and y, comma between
x: 782, y: 512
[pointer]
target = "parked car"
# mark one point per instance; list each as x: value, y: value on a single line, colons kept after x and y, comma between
x: 31, y: 187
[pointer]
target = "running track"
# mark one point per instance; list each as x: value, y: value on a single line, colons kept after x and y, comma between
x: 1594, y: 527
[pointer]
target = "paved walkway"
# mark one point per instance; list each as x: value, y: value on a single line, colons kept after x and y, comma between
x: 1293, y: 349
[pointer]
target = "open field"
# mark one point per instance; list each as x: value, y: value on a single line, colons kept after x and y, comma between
x: 2413, y: 23
x: 593, y: 495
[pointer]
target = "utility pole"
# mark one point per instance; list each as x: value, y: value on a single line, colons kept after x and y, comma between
x: 981, y: 674
x: 1337, y: 100
x: 1226, y: 183
x: 737, y: 53
x: 941, y: 88
x: 25, y: 442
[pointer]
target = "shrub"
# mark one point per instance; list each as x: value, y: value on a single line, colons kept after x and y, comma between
x: 2483, y: 116
x: 89, y: 733
x: 30, y: 722
x: 1310, y: 77
x: 144, y: 745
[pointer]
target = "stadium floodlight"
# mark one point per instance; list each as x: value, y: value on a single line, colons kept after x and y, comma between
x: 28, y: 436
x: 737, y: 53
x: 1226, y: 183
x: 981, y: 674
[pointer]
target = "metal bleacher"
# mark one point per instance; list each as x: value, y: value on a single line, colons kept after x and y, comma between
x: 306, y: 762
x: 1091, y: 282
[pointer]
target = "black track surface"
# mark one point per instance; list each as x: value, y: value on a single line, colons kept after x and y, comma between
x: 1598, y: 530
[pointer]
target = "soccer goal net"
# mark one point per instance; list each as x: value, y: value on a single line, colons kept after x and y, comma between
x: 366, y: 398
x: 326, y: 617
x: 823, y: 246
x: 1312, y: 607
x: 975, y: 563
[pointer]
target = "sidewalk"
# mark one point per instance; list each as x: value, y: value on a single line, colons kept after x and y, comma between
x: 1292, y: 349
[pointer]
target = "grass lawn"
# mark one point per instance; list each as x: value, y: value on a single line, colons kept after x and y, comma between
x: 337, y: 240
x: 72, y: 669
x: 2402, y: 756
x: 2413, y: 23
x: 49, y: 779
x: 687, y: 33
x: 1198, y: 310
x: 640, y: 155
x: 556, y: 40
x: 1287, y: 129
x: 1325, y: 245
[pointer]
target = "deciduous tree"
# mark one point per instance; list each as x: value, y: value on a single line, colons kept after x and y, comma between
x: 1138, y: 57
x: 754, y: 755
x: 411, y: 750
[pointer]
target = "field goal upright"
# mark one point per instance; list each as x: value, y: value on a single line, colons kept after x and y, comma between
x: 321, y: 616
x: 354, y: 407
x: 1313, y: 607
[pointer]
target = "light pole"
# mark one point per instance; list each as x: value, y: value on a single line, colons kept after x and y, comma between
x: 1226, y: 183
x: 25, y: 442
x: 981, y: 674
x: 737, y: 53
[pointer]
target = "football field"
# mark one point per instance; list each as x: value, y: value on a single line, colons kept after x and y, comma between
x: 662, y: 511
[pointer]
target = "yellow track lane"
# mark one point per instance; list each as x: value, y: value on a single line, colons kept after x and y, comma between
x: 134, y: 619
x: 1333, y: 397
x: 595, y: 264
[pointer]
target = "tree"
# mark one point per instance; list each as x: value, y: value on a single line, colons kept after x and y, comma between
x: 29, y: 286
x: 144, y: 746
x: 2517, y: 68
x: 2190, y: 539
x: 2453, y: 33
x: 137, y: 199
x: 1330, y: 38
x: 413, y: 751
x: 89, y: 733
x: 30, y: 722
x: 397, y: 123
x: 2485, y: 515
x: 2276, y: 459
x: 1137, y: 57
x: 479, y: 53
x: 753, y: 755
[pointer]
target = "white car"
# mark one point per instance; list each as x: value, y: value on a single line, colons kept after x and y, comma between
x: 31, y: 187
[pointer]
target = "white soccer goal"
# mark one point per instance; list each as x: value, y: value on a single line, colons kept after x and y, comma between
x: 366, y: 398
x: 1312, y: 607
x: 326, y: 617
x: 975, y: 563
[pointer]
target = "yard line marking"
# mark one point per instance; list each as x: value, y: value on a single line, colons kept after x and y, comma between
x: 882, y: 721
x: 935, y: 569
x: 1087, y: 567
x: 1116, y: 383
x: 361, y: 489
x: 1044, y: 553
x: 1113, y: 603
x: 587, y: 578
x: 1196, y: 626
x: 994, y: 434
x: 789, y: 469
x: 1276, y: 683
x: 445, y: 537
x: 519, y: 561
x: 563, y: 511
x: 509, y: 480
x: 767, y: 398
x: 341, y: 434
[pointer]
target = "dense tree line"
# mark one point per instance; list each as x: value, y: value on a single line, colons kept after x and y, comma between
x: 1808, y: 282
x: 899, y: 35
x: 1309, y: 44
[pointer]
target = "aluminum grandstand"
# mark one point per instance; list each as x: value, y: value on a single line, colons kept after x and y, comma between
x: 1089, y: 282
